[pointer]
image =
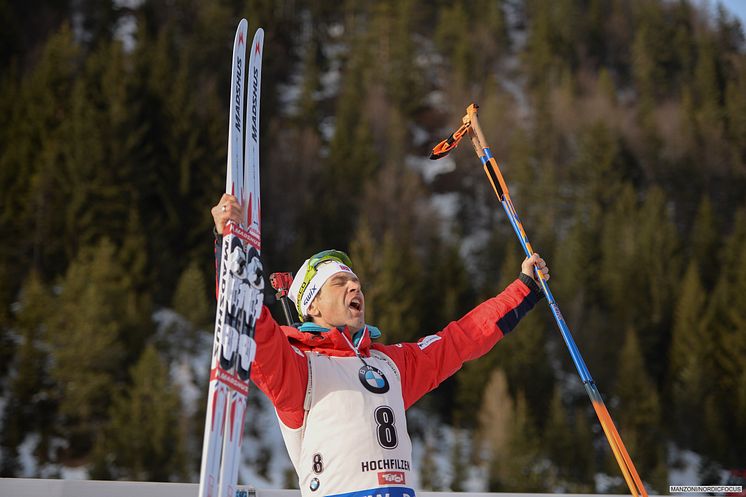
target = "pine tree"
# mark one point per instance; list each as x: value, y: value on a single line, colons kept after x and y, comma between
x: 308, y: 110
x: 658, y: 251
x: 645, y: 72
x: 684, y: 43
x: 520, y: 469
x: 351, y: 159
x: 618, y: 263
x: 494, y: 416
x: 735, y: 112
x: 88, y: 353
x: 706, y: 84
x: 726, y: 322
x: 403, y: 80
x: 365, y: 255
x: 492, y: 32
x: 639, y: 263
x: 597, y: 175
x: 30, y: 161
x: 452, y: 38
x: 394, y: 294
x: 568, y: 443
x: 557, y: 436
x: 191, y: 297
x: 509, y: 442
x: 447, y: 292
x: 145, y: 436
x: 689, y: 358
x: 28, y: 408
x: 583, y: 466
x: 429, y: 473
x: 639, y: 413
x: 296, y: 228
x: 457, y: 461
x: 703, y: 242
x: 538, y: 56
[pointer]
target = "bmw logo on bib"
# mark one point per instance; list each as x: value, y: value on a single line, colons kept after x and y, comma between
x: 373, y: 379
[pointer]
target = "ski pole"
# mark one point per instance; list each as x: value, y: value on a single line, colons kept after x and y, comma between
x: 281, y: 283
x: 470, y: 125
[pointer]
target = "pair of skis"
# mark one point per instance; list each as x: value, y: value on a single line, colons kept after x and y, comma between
x: 240, y: 280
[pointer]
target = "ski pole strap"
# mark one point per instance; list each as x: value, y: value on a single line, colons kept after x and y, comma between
x: 441, y: 149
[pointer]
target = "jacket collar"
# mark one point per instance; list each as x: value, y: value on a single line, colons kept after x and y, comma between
x: 334, y: 342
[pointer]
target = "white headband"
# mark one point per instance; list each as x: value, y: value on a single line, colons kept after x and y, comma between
x: 307, y: 293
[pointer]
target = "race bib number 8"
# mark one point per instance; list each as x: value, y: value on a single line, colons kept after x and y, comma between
x: 385, y: 430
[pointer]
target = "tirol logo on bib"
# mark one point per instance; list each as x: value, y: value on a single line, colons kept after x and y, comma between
x: 373, y: 379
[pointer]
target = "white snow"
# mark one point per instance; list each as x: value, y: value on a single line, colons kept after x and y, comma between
x: 189, y: 373
x: 436, y: 99
x: 183, y: 379
x: 326, y: 127
x: 261, y: 418
x: 446, y: 205
x: 68, y: 473
x: 684, y: 468
x: 420, y: 136
x: 26, y: 457
x: 441, y: 439
x: 429, y: 169
x: 605, y: 483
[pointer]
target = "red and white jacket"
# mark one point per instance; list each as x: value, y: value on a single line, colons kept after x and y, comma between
x: 342, y: 415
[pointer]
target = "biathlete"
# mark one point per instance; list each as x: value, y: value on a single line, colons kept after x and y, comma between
x: 339, y: 396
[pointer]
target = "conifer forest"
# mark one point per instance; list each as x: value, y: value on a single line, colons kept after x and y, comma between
x: 620, y: 127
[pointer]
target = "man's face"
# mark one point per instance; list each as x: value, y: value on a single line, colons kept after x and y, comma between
x: 340, y: 303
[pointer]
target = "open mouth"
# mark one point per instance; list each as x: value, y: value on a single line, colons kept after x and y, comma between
x: 356, y: 304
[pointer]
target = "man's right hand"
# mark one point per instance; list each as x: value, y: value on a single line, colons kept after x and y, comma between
x: 535, y: 262
x: 228, y: 209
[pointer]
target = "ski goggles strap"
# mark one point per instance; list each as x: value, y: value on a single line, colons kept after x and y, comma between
x: 328, y: 255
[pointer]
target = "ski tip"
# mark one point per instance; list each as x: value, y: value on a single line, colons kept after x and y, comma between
x: 259, y: 37
x: 241, y: 32
x: 258, y: 43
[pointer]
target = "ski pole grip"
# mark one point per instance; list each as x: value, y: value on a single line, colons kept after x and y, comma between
x: 281, y: 283
x: 482, y: 150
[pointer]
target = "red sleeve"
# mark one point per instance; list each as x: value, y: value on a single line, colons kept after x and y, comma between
x: 425, y: 364
x: 280, y: 371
